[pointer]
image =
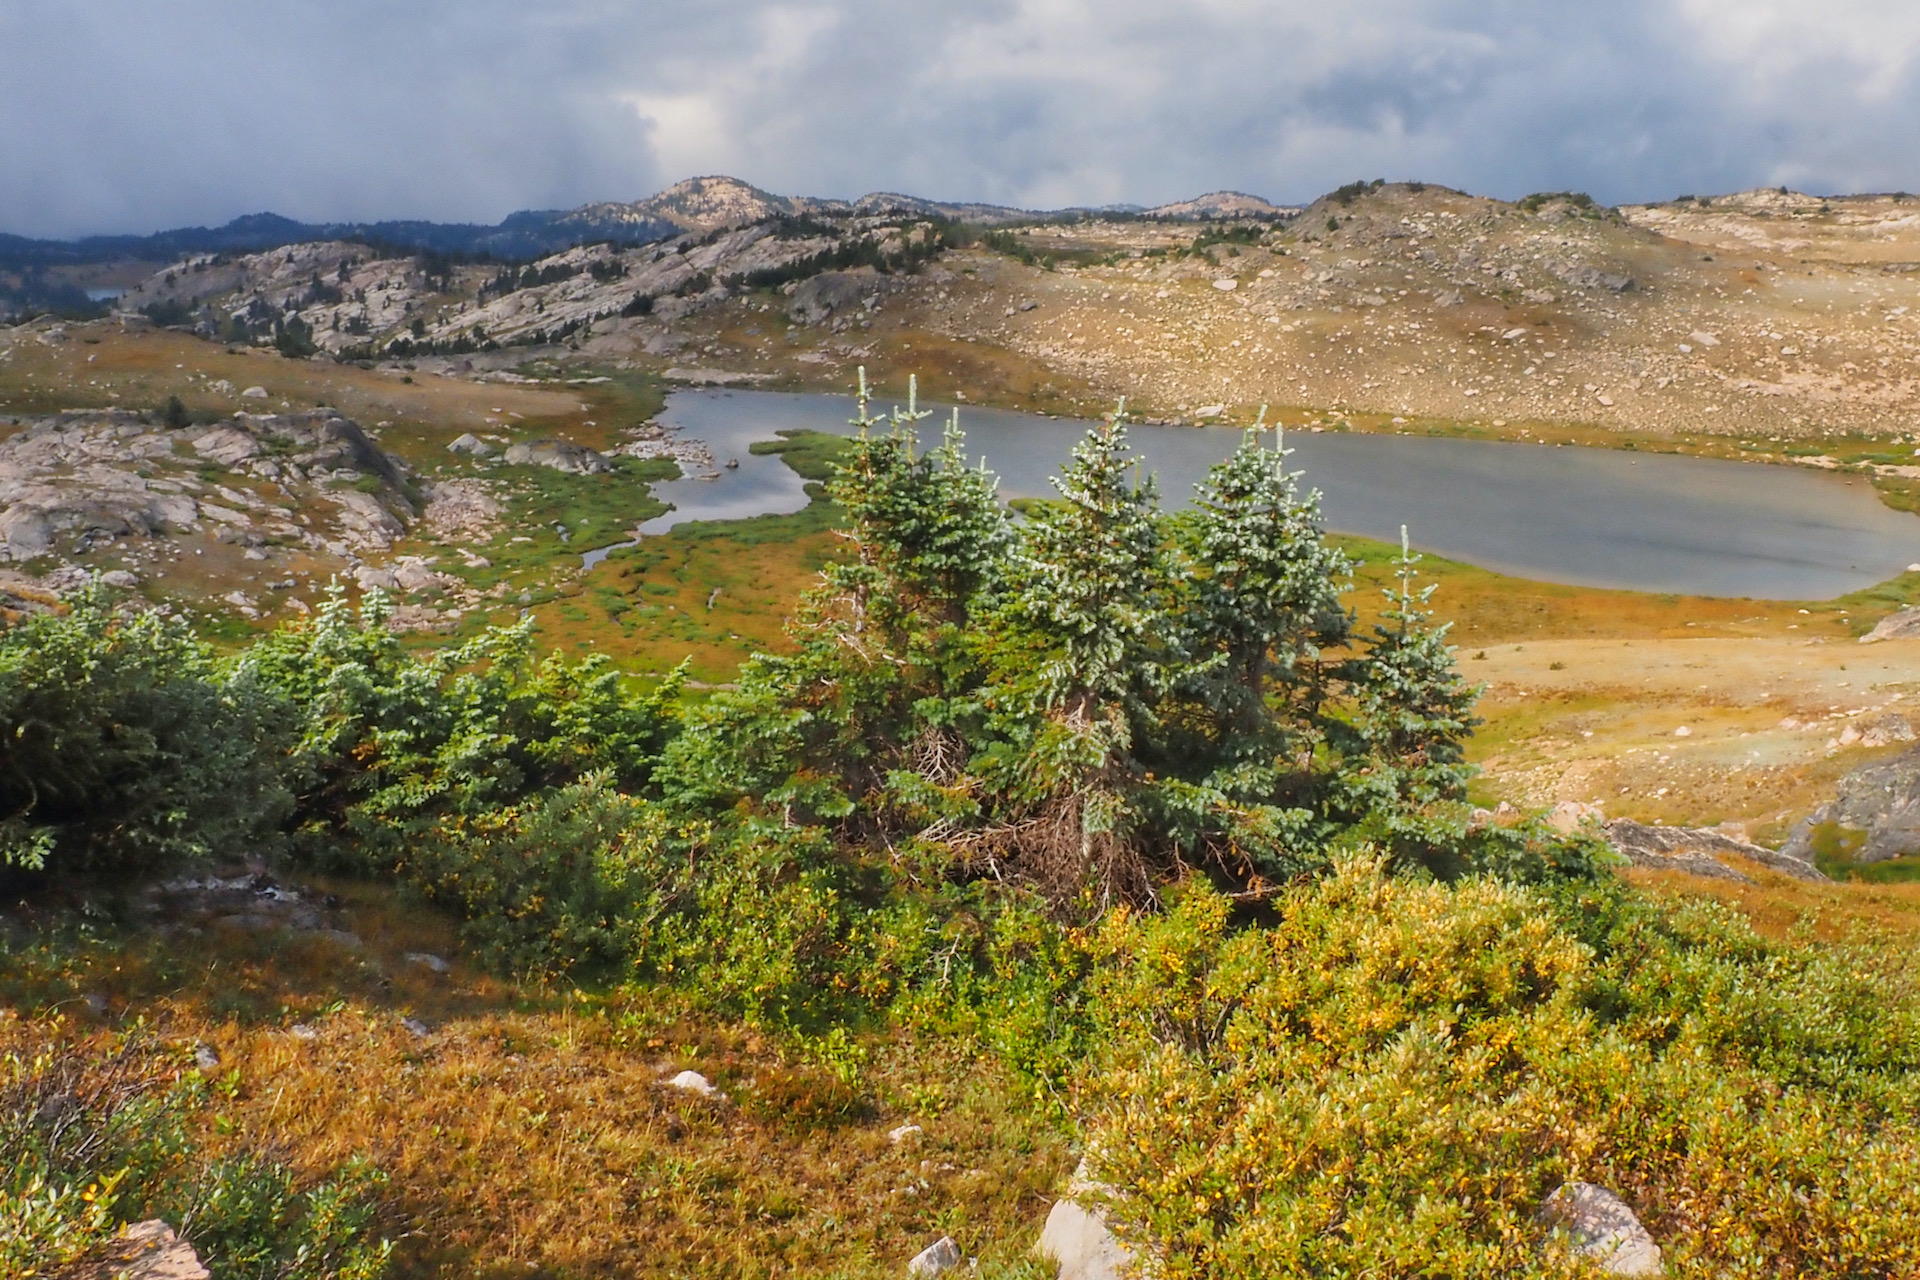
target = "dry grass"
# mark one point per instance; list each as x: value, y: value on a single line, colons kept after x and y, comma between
x: 98, y: 366
x: 1781, y: 908
x: 531, y: 1132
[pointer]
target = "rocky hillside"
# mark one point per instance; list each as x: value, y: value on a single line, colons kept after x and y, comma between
x: 1762, y: 315
x: 252, y: 515
x: 93, y: 476
x: 338, y: 298
x: 1413, y: 302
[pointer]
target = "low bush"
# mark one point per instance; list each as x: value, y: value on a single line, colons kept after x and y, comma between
x: 125, y: 747
x: 1391, y: 1077
x: 387, y: 747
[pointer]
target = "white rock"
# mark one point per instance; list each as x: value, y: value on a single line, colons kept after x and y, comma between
x: 254, y: 393
x: 1602, y: 1229
x: 693, y: 1082
x: 1226, y: 284
x: 1683, y: 732
x: 938, y: 1258
x: 903, y: 1133
x: 125, y: 579
x: 1076, y: 1238
x: 1077, y: 1241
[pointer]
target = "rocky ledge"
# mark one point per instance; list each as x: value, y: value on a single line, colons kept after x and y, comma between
x: 79, y: 481
x: 1875, y: 818
x: 1699, y: 851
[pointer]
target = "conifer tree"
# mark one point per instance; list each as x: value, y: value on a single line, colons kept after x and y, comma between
x: 930, y: 526
x: 1412, y: 710
x: 1266, y: 595
x: 1089, y: 603
x: 1078, y: 652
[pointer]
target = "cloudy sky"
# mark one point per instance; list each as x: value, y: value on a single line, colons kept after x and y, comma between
x: 132, y: 115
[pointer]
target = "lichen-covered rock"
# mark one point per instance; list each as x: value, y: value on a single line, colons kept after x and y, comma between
x: 1875, y: 817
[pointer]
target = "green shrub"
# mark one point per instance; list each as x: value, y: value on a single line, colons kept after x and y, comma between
x: 124, y: 746
x: 388, y: 746
x: 562, y: 880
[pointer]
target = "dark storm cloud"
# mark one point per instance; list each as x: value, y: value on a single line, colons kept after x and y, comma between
x: 124, y: 116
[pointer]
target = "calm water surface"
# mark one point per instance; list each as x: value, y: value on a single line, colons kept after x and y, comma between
x: 1593, y: 517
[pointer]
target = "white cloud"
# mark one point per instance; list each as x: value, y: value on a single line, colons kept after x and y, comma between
x: 1797, y: 47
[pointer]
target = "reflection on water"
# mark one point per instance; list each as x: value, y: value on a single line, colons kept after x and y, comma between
x: 1594, y: 517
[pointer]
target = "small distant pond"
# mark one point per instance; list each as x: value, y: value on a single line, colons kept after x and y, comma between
x: 1590, y: 517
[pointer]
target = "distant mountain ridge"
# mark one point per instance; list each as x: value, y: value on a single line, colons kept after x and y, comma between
x: 695, y: 204
x: 40, y: 275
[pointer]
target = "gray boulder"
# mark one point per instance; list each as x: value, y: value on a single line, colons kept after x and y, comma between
x: 938, y: 1258
x: 559, y: 455
x: 828, y: 294
x: 25, y: 532
x: 1904, y: 625
x: 1602, y: 1229
x: 1875, y: 817
x: 227, y: 445
x: 1698, y: 850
